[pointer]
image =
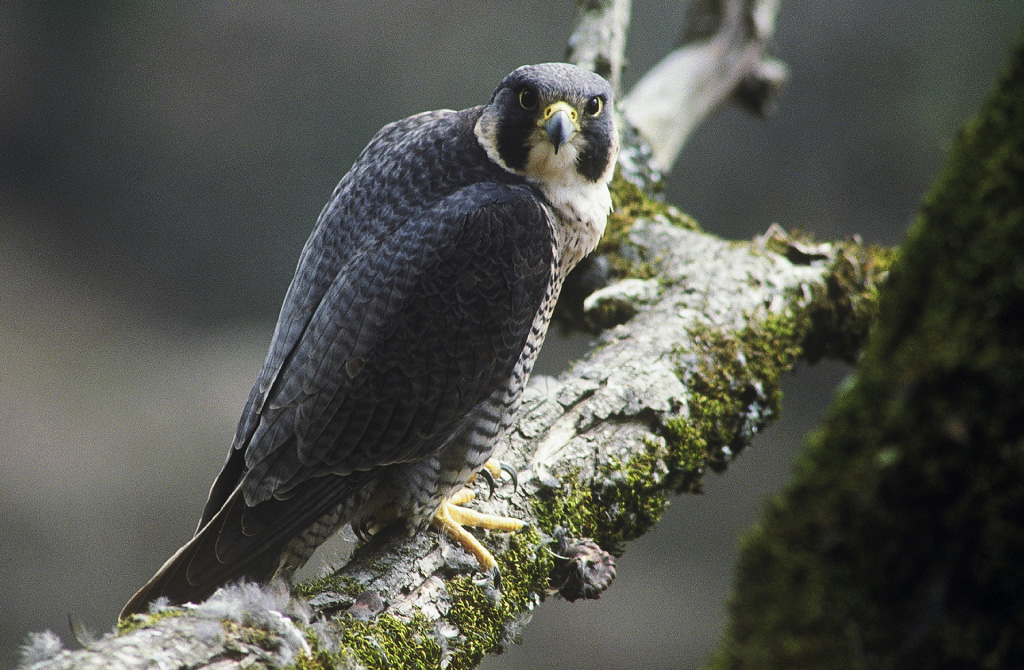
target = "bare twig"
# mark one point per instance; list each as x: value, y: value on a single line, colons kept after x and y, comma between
x: 599, y: 41
x: 722, y: 58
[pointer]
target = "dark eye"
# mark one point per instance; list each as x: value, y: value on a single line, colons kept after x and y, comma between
x: 528, y: 98
x: 594, y: 106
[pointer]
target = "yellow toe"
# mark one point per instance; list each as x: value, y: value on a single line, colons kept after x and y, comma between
x: 452, y: 518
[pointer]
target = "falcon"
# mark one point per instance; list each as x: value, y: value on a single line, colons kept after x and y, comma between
x: 408, y: 333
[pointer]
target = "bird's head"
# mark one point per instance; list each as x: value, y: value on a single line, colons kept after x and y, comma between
x: 552, y: 123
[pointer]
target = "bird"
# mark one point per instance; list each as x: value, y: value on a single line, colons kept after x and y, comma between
x: 409, y: 330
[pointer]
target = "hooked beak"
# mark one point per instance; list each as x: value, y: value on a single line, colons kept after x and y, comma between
x: 560, y: 123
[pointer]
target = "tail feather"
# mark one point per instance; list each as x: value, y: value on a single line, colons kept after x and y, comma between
x: 194, y: 572
x: 242, y: 542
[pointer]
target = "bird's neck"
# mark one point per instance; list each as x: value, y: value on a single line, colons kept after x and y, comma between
x: 580, y: 212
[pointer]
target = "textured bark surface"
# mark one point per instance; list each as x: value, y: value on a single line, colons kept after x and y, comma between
x: 598, y: 43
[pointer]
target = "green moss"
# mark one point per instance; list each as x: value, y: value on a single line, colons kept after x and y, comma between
x: 139, y: 621
x: 688, y: 448
x: 385, y: 642
x: 250, y: 635
x: 525, y: 566
x: 733, y: 392
x: 736, y: 387
x: 843, y: 309
x: 569, y: 507
x: 629, y: 204
x: 318, y: 659
x: 345, y: 586
x: 633, y: 496
x: 898, y: 542
x: 389, y: 642
x: 482, y: 619
x: 624, y: 503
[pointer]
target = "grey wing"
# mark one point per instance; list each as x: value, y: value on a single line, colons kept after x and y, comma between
x: 317, y: 268
x: 407, y: 338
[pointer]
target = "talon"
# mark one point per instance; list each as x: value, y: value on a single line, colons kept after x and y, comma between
x: 512, y: 474
x: 490, y: 577
x: 489, y: 478
x: 491, y: 471
x: 494, y: 467
x: 495, y: 577
x: 383, y: 516
x: 361, y: 530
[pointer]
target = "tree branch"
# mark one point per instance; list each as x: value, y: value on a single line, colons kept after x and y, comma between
x: 685, y: 373
x: 721, y: 59
x: 598, y: 43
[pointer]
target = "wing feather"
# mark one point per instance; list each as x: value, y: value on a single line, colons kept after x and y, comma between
x: 443, y: 317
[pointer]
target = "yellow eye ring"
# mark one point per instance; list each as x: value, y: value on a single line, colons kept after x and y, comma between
x: 594, y: 106
x: 527, y: 98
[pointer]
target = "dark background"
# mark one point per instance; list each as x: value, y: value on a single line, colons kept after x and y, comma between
x: 161, y: 166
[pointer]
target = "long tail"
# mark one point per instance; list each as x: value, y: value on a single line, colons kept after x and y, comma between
x: 242, y: 542
x: 195, y: 570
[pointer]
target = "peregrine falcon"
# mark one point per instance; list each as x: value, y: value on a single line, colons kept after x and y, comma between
x: 408, y: 333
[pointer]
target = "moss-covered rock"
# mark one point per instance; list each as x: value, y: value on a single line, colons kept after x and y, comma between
x: 899, y: 543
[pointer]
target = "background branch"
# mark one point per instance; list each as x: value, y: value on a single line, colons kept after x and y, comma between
x: 721, y: 58
x: 599, y: 41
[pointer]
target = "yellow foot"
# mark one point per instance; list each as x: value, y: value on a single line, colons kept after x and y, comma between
x: 451, y: 518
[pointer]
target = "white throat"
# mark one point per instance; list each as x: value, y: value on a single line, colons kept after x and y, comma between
x: 580, y: 213
x: 580, y: 207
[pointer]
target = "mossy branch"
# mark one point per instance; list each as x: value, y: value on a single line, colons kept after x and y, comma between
x: 696, y: 333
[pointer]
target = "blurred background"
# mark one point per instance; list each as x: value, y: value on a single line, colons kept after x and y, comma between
x: 161, y: 165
